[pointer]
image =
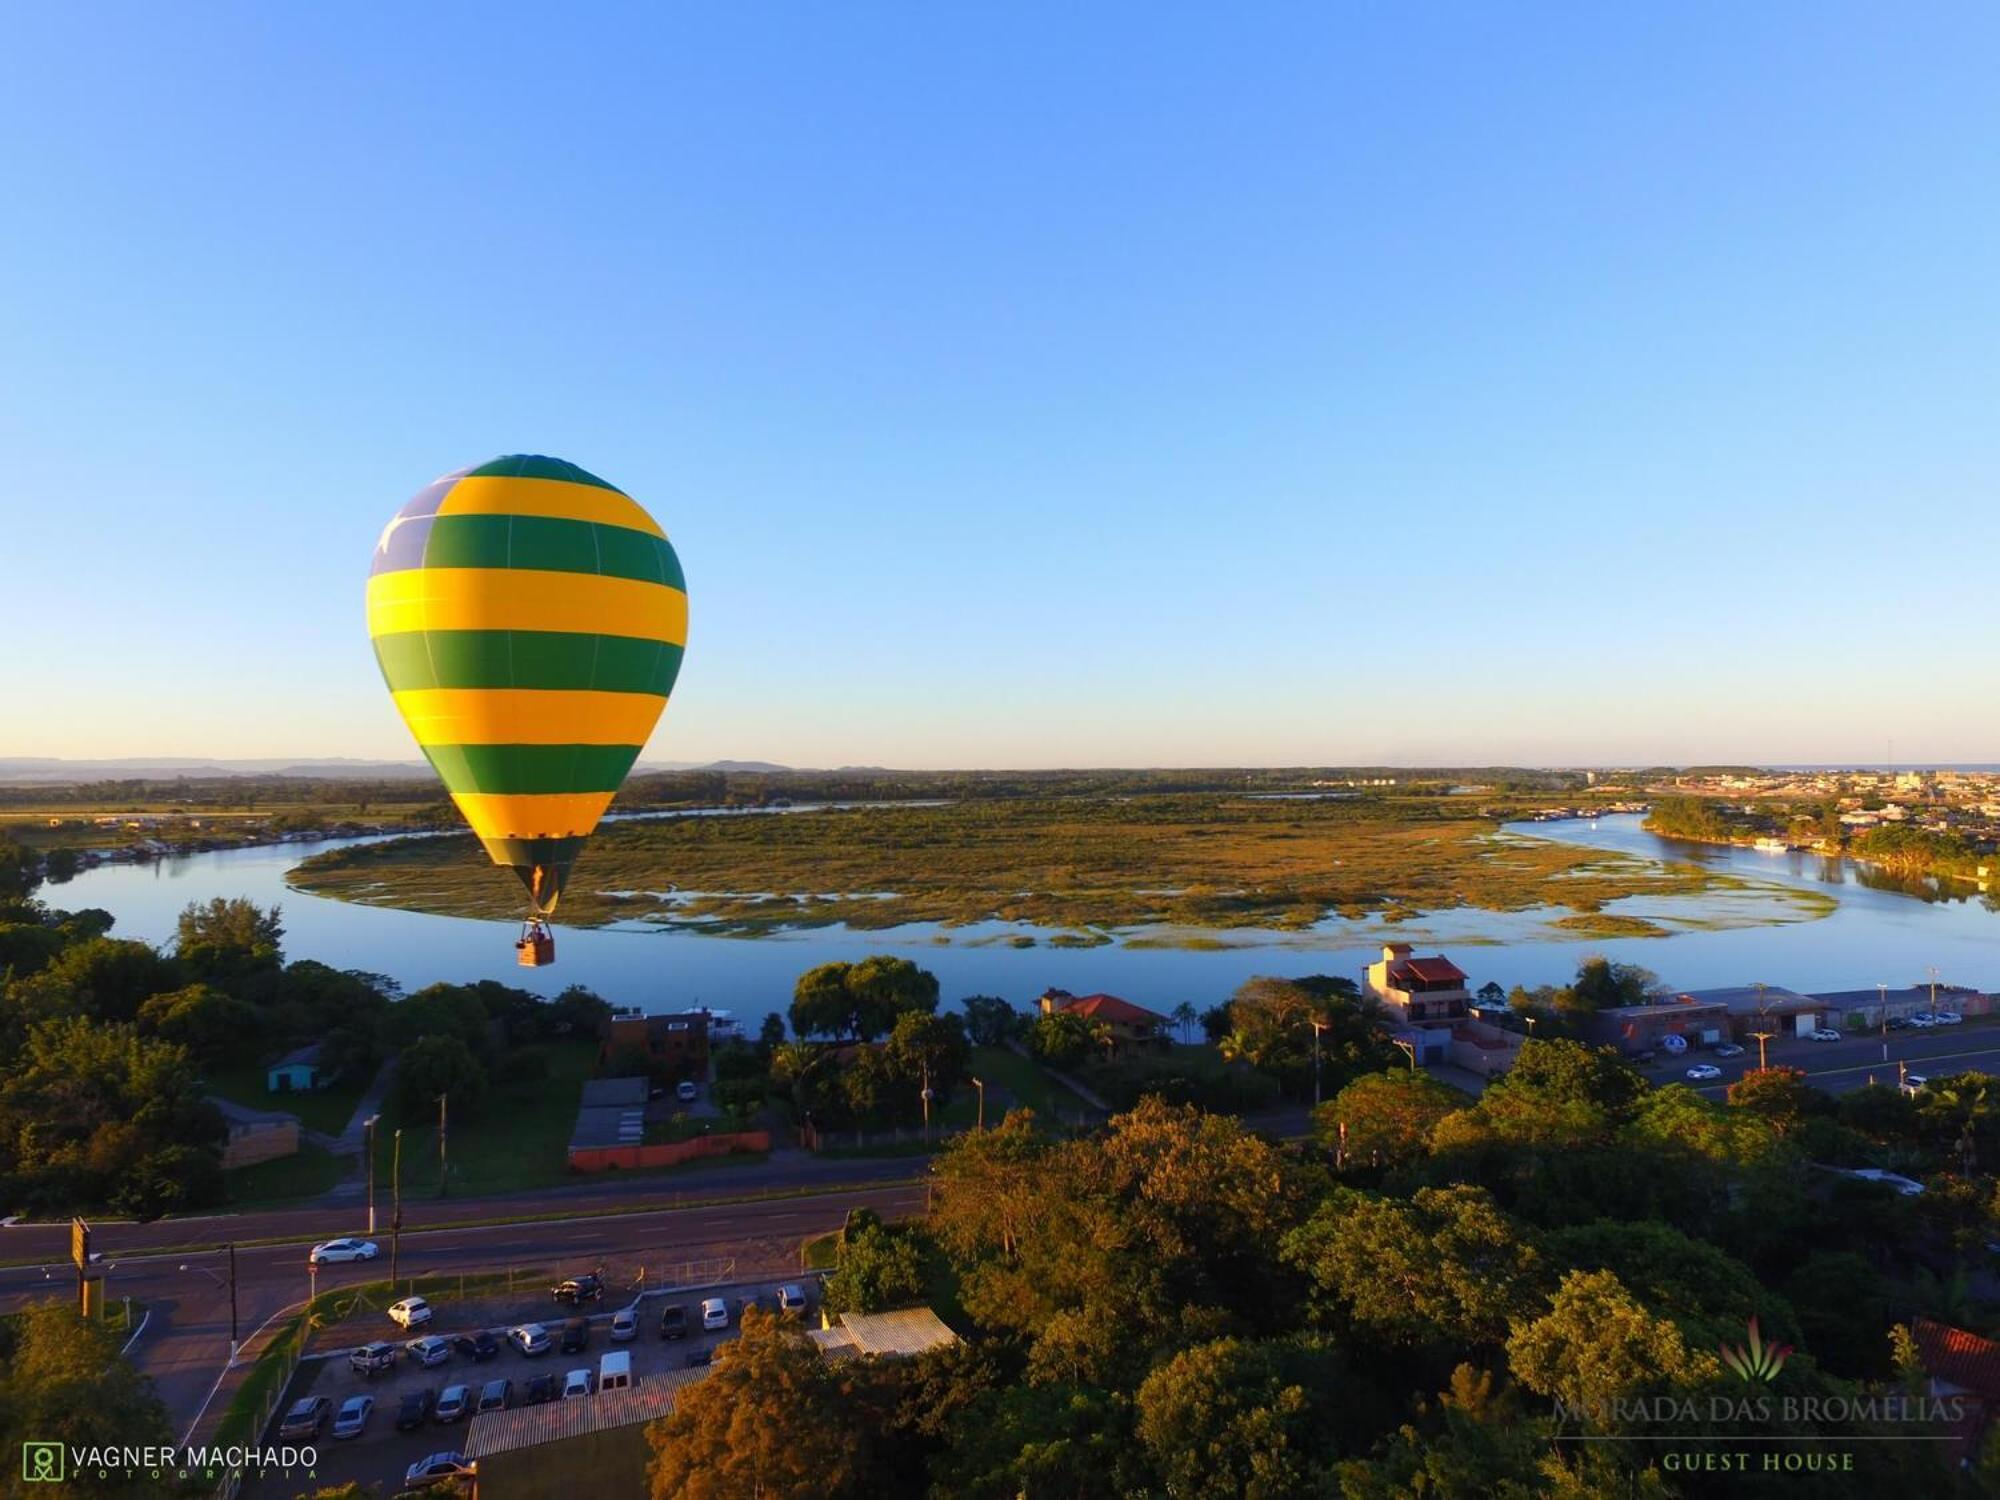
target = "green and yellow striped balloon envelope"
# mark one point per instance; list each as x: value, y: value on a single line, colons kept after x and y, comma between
x: 529, y: 619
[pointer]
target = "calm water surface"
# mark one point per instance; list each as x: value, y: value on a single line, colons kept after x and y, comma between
x: 1873, y: 936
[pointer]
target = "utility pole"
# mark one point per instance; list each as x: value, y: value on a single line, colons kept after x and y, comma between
x: 395, y: 1206
x: 234, y: 1342
x: 927, y: 1101
x: 368, y: 1135
x: 1885, y: 1020
x: 1318, y: 1025
x: 443, y: 1106
x: 981, y: 1086
x: 1933, y: 973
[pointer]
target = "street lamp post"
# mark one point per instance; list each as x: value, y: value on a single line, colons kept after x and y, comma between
x: 395, y: 1205
x: 234, y: 1342
x: 981, y: 1086
x: 368, y: 1135
x: 443, y: 1109
x: 1318, y: 1025
x: 1762, y: 1037
x: 927, y: 1096
x: 1885, y: 1020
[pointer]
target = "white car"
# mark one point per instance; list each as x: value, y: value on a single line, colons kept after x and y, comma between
x: 624, y: 1325
x: 411, y: 1312
x: 1909, y: 1187
x: 1923, y: 1020
x: 333, y: 1252
x: 577, y: 1383
x: 1703, y: 1072
x: 1729, y: 1049
x: 436, y: 1469
x: 687, y: 1093
x: 429, y: 1350
x: 529, y: 1338
x: 353, y: 1418
x: 1947, y: 1017
x: 1825, y: 1034
x: 1914, y: 1081
x: 714, y: 1314
x: 791, y: 1300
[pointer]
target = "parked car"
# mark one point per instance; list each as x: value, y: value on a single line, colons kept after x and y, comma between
x: 495, y: 1395
x: 791, y: 1300
x: 541, y: 1389
x: 305, y: 1417
x: 578, y: 1383
x: 429, y: 1350
x: 714, y: 1314
x: 530, y: 1338
x: 575, y: 1335
x: 1645, y: 1055
x: 674, y: 1321
x: 1728, y: 1049
x: 454, y: 1403
x: 687, y: 1093
x: 1913, y: 1082
x: 353, y: 1418
x: 578, y: 1290
x: 1923, y: 1020
x: 1896, y: 1023
x: 1704, y: 1072
x: 435, y: 1469
x: 478, y: 1345
x: 411, y: 1312
x: 1947, y: 1017
x: 333, y: 1252
x: 624, y: 1325
x: 415, y: 1408
x: 372, y: 1359
x: 1825, y: 1034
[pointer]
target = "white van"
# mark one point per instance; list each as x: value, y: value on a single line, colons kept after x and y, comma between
x: 614, y: 1371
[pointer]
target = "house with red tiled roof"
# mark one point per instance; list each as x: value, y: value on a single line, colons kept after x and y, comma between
x: 1425, y: 997
x: 1966, y: 1366
x: 1130, y: 1025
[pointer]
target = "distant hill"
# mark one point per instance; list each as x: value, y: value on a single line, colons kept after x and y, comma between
x: 19, y: 769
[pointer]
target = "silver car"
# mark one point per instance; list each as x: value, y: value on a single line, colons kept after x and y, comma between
x: 353, y: 1418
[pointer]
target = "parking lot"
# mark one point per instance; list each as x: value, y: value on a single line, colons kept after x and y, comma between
x: 381, y: 1454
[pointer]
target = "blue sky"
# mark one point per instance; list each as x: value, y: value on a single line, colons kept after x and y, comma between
x: 1029, y: 385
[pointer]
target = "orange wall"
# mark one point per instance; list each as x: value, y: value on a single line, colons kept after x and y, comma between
x: 668, y: 1154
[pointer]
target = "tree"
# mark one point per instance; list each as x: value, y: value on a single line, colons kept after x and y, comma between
x: 768, y: 1423
x: 861, y: 1000
x: 1598, y: 1344
x: 770, y: 1035
x: 445, y: 1010
x: 1601, y: 984
x: 230, y: 939
x: 62, y: 1381
x: 1185, y: 1017
x: 212, y: 1024
x: 1492, y: 994
x: 1447, y: 1265
x: 1273, y: 1024
x: 438, y: 1065
x: 1234, y: 1418
x: 20, y: 871
x: 989, y: 1020
x: 1385, y: 1118
x: 1063, y: 1039
x: 875, y: 1268
x: 110, y: 978
x: 1779, y: 1095
x: 930, y: 1050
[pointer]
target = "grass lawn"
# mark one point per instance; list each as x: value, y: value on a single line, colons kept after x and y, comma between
x: 1024, y: 1079
x: 306, y: 1175
x: 517, y: 1139
x: 326, y: 1110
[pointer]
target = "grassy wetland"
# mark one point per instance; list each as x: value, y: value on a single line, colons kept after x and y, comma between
x: 1080, y: 866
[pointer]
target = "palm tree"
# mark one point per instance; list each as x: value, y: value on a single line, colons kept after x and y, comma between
x: 1184, y: 1017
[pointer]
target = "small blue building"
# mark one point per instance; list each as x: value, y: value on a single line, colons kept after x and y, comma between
x: 296, y: 1072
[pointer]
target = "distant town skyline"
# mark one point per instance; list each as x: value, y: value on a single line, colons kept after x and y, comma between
x: 1032, y: 388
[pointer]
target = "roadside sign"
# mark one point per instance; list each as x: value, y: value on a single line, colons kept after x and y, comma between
x: 79, y: 1243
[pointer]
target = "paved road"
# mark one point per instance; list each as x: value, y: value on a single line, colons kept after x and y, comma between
x: 186, y: 1344
x: 1973, y: 1047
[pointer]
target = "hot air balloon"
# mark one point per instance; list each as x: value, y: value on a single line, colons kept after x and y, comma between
x: 529, y: 619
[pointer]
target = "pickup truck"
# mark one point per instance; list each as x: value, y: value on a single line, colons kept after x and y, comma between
x: 578, y: 1290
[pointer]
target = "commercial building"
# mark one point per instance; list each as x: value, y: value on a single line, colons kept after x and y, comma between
x: 675, y: 1044
x: 1645, y: 1028
x: 1865, y: 1008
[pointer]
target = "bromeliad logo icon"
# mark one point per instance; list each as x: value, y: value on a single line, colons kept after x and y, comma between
x: 41, y: 1463
x: 1755, y: 1359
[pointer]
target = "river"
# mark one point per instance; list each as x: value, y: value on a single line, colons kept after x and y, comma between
x: 1871, y: 936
